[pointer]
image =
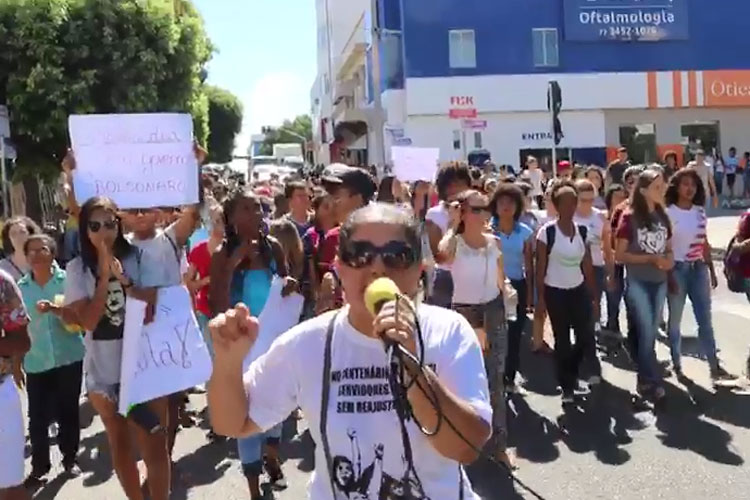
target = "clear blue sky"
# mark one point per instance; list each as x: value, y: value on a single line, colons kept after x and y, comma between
x: 266, y: 55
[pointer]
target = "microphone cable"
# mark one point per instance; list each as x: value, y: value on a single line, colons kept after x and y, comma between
x: 404, y: 411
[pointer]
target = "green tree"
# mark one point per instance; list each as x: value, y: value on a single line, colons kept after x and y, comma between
x: 224, y: 123
x: 290, y: 131
x: 63, y: 57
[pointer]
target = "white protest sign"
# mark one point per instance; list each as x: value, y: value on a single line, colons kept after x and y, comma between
x: 278, y: 315
x: 415, y: 164
x: 166, y: 356
x: 138, y: 160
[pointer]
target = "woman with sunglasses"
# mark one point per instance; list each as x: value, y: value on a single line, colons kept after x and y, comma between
x: 96, y: 289
x: 476, y: 264
x: 565, y: 278
x: 352, y: 374
x: 644, y: 245
x: 242, y: 271
x: 599, y: 236
x: 693, y: 274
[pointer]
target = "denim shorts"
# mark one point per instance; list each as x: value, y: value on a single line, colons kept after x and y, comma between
x: 250, y: 449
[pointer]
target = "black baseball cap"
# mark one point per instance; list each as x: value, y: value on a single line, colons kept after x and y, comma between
x: 356, y: 180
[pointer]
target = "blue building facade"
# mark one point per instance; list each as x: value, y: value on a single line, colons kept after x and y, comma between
x: 712, y: 37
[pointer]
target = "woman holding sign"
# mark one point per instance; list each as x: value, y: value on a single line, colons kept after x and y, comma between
x: 96, y: 291
x: 242, y: 271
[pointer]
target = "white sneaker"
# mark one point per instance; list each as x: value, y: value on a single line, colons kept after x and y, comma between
x: 594, y: 380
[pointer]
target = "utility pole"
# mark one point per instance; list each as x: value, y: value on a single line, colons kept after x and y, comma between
x: 554, y: 105
x: 4, y: 132
x: 379, y: 122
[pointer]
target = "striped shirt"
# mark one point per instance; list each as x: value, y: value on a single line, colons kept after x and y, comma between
x: 689, y: 232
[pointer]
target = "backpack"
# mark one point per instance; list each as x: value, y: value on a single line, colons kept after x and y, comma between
x: 550, y: 230
x: 733, y: 269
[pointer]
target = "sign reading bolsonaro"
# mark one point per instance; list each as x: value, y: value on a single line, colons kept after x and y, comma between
x: 626, y: 20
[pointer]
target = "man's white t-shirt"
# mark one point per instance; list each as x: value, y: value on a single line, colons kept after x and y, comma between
x: 535, y: 177
x: 363, y: 429
x: 564, y: 261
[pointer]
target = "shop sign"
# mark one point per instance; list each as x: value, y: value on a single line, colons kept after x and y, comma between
x: 536, y: 136
x: 474, y: 124
x: 726, y: 88
x: 461, y: 107
x: 4, y: 121
x: 626, y: 20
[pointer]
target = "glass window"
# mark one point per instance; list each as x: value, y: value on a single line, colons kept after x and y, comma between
x: 462, y: 49
x: 697, y: 136
x: 640, y: 139
x: 478, y: 140
x: 456, y: 139
x: 545, y: 48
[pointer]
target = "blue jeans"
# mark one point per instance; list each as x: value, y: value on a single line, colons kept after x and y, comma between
x: 203, y: 324
x: 442, y: 289
x: 646, y: 299
x: 600, y: 277
x: 692, y: 281
x: 614, y: 298
x: 250, y: 449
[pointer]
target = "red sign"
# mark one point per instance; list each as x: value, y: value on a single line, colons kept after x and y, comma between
x: 458, y: 113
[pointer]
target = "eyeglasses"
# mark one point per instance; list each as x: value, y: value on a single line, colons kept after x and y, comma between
x: 478, y: 210
x: 109, y: 225
x: 395, y: 254
x: 42, y: 250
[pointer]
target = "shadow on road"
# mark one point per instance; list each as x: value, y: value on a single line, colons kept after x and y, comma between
x: 683, y: 428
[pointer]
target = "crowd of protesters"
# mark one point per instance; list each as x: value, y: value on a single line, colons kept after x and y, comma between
x: 505, y: 252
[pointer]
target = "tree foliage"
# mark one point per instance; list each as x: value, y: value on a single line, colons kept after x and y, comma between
x: 289, y: 131
x: 63, y: 57
x: 224, y: 123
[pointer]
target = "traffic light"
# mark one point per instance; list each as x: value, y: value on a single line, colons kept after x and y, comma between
x: 554, y: 105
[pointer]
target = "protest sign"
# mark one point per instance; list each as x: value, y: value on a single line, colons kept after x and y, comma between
x: 138, y: 160
x: 415, y: 164
x: 278, y: 315
x: 166, y: 356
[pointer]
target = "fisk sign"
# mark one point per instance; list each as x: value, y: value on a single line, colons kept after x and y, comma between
x: 462, y: 107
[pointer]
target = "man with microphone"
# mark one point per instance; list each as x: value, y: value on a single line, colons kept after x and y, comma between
x: 337, y: 370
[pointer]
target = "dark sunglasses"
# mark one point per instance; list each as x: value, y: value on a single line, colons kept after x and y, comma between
x: 140, y: 211
x: 95, y: 225
x: 395, y: 254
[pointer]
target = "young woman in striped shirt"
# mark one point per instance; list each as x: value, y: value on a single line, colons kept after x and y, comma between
x: 693, y: 274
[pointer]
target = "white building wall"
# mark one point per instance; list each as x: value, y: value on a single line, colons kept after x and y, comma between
x: 507, y: 133
x: 345, y: 16
x: 668, y: 122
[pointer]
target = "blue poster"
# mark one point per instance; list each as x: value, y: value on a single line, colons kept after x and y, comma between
x: 626, y: 20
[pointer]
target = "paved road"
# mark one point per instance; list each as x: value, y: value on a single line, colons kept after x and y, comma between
x: 695, y: 448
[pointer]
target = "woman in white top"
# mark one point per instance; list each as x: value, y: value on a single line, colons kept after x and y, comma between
x: 693, y: 274
x: 564, y: 268
x: 335, y: 368
x: 451, y: 180
x: 536, y: 178
x: 599, y: 236
x: 14, y: 235
x: 476, y: 265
